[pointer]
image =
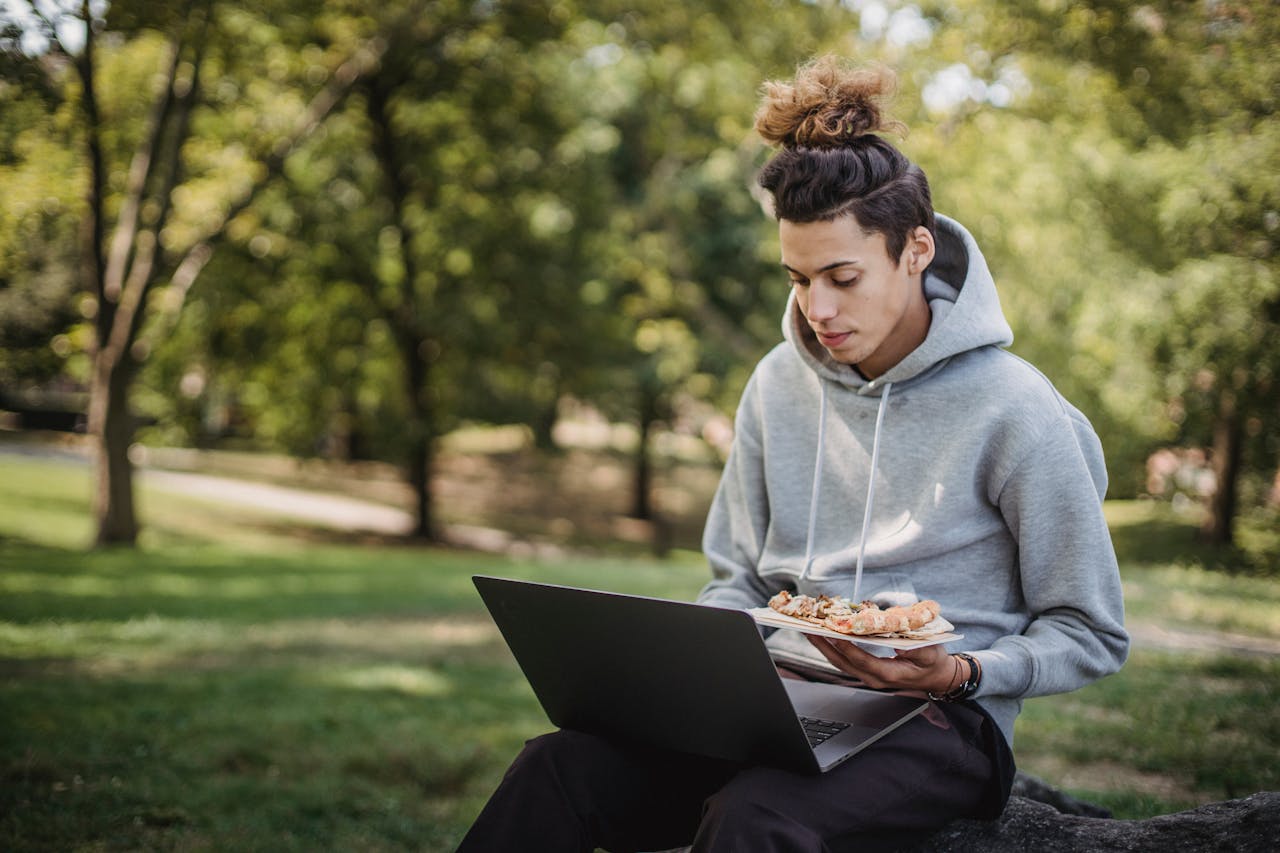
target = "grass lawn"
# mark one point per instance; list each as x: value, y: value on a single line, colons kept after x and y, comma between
x: 242, y: 685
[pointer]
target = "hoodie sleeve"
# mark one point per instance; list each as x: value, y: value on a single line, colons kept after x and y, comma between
x: 739, y: 516
x: 1052, y: 502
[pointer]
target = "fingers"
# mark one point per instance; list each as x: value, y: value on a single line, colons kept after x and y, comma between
x: 827, y: 648
x: 925, y: 657
x: 851, y: 660
x: 907, y: 669
x: 837, y: 651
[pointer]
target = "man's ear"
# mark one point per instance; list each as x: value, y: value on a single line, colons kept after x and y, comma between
x: 919, y: 250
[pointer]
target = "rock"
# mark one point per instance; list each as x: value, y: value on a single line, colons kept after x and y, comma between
x: 1042, y: 819
x: 1034, y: 788
x: 1248, y: 825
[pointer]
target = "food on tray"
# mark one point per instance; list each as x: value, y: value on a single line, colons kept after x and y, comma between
x: 862, y: 619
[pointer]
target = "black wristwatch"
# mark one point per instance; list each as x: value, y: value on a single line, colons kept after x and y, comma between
x: 966, y: 688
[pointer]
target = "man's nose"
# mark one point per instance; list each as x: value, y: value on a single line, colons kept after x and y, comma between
x: 823, y: 302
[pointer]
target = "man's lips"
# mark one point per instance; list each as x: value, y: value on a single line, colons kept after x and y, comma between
x: 832, y: 339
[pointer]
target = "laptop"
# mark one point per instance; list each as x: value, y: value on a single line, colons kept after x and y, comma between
x: 679, y: 676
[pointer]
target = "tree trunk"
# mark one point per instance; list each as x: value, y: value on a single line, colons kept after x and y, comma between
x: 544, y: 425
x: 111, y: 425
x: 1217, y: 527
x: 109, y: 421
x: 414, y: 350
x: 420, y: 464
x: 642, y: 503
x: 407, y: 327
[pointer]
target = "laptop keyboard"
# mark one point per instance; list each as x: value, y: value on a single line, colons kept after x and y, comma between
x: 820, y: 730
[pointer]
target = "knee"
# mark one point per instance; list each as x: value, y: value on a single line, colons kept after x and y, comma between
x: 575, y: 761
x: 748, y: 815
x: 561, y: 747
x: 732, y: 807
x: 739, y: 817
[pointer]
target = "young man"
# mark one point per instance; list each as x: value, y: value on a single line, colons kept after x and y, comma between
x: 890, y: 448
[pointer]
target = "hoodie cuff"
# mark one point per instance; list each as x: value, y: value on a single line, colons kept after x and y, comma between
x: 1008, y: 670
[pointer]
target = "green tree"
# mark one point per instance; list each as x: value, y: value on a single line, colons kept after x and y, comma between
x: 185, y: 184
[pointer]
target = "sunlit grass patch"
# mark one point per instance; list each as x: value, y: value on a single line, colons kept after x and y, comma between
x: 409, y: 680
x: 1200, y: 599
x: 45, y: 501
x: 154, y: 644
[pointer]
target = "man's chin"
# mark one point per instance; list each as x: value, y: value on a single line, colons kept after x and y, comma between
x: 843, y: 356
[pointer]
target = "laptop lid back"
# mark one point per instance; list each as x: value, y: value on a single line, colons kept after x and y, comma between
x: 675, y: 675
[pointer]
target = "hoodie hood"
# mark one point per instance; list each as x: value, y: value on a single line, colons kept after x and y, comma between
x: 966, y: 315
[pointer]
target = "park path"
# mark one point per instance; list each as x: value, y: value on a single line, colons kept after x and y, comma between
x: 333, y: 511
x: 346, y: 513
x: 328, y: 509
x: 1150, y: 635
x: 339, y: 512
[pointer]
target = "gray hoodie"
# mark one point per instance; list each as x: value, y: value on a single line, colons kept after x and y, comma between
x: 959, y: 475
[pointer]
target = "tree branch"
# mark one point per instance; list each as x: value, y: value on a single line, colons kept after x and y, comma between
x: 142, y: 277
x: 122, y: 248
x: 340, y: 84
x: 92, y: 258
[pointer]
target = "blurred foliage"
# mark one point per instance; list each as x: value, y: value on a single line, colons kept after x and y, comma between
x: 40, y: 174
x: 530, y: 200
x: 1178, y: 102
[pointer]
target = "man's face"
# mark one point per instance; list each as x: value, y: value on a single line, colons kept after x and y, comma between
x: 865, y: 309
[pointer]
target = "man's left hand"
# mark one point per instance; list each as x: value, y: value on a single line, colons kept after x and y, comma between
x: 929, y: 669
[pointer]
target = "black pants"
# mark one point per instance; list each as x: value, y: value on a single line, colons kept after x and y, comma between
x: 569, y: 791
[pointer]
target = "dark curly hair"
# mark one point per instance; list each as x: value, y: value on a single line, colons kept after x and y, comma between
x: 832, y: 161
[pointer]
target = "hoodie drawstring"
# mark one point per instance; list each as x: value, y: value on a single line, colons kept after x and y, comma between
x: 817, y: 479
x: 871, y: 486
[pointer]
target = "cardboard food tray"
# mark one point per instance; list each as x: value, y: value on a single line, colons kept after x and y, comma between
x: 773, y: 619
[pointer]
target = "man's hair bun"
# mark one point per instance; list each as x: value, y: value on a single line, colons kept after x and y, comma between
x: 828, y: 105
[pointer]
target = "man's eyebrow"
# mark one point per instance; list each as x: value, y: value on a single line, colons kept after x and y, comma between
x: 830, y: 266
